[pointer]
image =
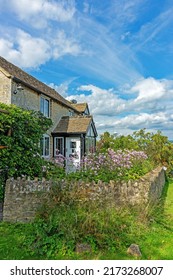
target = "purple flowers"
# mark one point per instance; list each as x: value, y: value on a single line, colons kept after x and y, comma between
x: 113, y: 160
x: 112, y: 165
x: 59, y: 160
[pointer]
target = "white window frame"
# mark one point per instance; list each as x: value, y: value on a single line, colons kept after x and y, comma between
x: 55, y: 148
x: 45, y: 155
x: 43, y: 109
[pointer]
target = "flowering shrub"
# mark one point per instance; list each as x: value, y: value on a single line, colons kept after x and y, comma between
x: 60, y: 160
x: 113, y: 165
x: 113, y: 159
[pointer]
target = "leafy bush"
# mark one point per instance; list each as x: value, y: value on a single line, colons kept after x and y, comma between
x: 3, y: 177
x: 21, y: 131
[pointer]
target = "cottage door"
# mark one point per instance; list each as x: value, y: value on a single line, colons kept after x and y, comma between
x: 73, y: 153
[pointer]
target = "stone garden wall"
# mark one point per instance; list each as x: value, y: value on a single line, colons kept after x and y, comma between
x: 24, y: 196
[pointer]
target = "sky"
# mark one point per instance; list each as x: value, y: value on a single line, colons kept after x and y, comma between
x: 116, y: 55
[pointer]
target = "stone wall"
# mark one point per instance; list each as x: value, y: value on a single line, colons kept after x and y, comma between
x: 23, y: 197
x: 5, y: 89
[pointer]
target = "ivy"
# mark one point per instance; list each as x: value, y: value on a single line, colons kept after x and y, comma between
x: 21, y: 131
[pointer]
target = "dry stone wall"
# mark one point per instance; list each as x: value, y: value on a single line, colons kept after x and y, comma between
x: 24, y: 196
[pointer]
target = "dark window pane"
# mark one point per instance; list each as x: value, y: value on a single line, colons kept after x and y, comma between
x: 44, y: 106
x: 72, y: 145
x: 46, y: 151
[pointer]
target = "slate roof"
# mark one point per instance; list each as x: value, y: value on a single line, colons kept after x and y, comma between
x: 20, y: 76
x: 74, y: 124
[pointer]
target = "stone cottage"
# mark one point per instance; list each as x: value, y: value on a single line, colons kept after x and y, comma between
x: 73, y: 132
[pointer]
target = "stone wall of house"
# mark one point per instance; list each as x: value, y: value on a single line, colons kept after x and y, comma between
x: 29, y: 99
x: 25, y: 98
x: 23, y: 197
x: 5, y: 88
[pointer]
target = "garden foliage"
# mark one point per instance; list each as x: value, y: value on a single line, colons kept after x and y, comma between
x: 156, y: 146
x: 112, y: 165
x: 21, y: 131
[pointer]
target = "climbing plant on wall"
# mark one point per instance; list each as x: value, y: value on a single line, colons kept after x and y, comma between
x: 21, y: 131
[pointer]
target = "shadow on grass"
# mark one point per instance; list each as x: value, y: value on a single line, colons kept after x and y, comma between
x: 162, y: 200
x: 158, y: 211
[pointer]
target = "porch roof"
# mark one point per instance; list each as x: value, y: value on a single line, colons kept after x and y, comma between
x: 74, y: 124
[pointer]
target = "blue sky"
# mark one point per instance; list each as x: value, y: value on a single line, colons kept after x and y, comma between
x: 116, y: 55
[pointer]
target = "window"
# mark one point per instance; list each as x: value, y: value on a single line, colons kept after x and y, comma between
x: 45, y: 145
x: 71, y: 113
x: 45, y: 107
x: 59, y: 146
x: 73, y: 146
x: 89, y: 145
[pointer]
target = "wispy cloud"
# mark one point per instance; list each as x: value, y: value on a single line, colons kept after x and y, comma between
x: 151, y: 31
x: 97, y: 49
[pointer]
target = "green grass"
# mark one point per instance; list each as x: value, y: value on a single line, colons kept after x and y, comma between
x: 159, y: 242
x: 153, y: 232
x: 12, y: 241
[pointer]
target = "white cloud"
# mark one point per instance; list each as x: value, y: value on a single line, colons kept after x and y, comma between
x: 149, y: 89
x: 62, y: 45
x: 39, y: 12
x: 150, y: 95
x: 24, y: 50
x: 135, y: 121
x: 150, y: 108
x: 27, y: 51
x: 101, y: 101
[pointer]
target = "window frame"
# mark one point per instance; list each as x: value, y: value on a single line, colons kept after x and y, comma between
x: 43, y: 146
x: 43, y: 107
x: 62, y: 144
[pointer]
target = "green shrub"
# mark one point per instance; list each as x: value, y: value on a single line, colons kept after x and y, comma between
x: 21, y: 131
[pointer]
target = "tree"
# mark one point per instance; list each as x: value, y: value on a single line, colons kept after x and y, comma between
x: 157, y: 146
x: 21, y: 131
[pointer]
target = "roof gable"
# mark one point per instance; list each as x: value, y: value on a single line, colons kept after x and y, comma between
x: 81, y: 107
x: 21, y: 76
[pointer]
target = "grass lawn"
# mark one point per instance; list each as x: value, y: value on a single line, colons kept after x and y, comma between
x: 159, y: 242
x: 155, y: 240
